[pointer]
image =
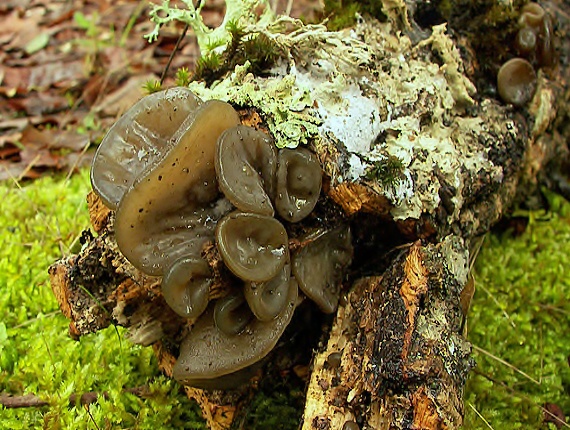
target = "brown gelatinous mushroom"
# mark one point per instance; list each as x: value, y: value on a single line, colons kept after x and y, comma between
x: 268, y: 299
x: 231, y: 313
x: 299, y: 180
x: 210, y: 358
x: 516, y: 82
x: 254, y: 247
x: 532, y: 15
x: 526, y: 41
x: 535, y: 37
x: 170, y: 210
x: 137, y: 141
x: 186, y: 287
x: 319, y: 266
x: 246, y: 162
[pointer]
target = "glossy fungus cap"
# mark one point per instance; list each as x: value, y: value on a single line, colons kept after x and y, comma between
x: 137, y: 140
x: 246, y: 163
x: 516, y: 82
x: 169, y: 211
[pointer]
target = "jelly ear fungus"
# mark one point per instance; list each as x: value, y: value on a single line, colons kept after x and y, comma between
x: 183, y: 175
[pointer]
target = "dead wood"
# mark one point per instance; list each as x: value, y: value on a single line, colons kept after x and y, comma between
x: 395, y: 355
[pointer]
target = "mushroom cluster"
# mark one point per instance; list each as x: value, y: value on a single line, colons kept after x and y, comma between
x: 534, y: 38
x: 180, y: 174
x: 516, y: 80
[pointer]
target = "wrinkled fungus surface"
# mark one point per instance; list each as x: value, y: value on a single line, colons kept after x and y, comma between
x: 137, y: 140
x: 299, y: 182
x: 208, y: 353
x: 186, y: 285
x: 268, y: 299
x: 181, y: 173
x: 246, y: 162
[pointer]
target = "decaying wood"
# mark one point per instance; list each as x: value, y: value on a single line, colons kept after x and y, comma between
x: 395, y: 355
x: 395, y: 377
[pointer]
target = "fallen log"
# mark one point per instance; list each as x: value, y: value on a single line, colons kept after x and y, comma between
x: 420, y: 156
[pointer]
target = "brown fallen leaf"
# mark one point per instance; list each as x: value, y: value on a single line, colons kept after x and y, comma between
x: 553, y: 414
x: 24, y: 79
x: 39, y: 103
x: 120, y: 100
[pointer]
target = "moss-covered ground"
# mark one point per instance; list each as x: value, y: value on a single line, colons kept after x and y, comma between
x: 519, y: 323
x: 38, y: 224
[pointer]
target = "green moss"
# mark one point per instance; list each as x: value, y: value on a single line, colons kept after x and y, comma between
x: 342, y: 13
x: 276, y: 409
x: 521, y: 314
x: 388, y: 172
x: 258, y: 50
x: 39, y: 222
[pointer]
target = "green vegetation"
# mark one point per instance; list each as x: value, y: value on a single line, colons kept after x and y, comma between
x: 388, y: 172
x: 258, y: 50
x: 39, y: 222
x: 520, y: 314
x: 343, y: 13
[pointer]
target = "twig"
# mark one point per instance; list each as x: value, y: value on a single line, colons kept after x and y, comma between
x: 480, y: 416
x: 32, y: 401
x: 514, y: 393
x: 163, y: 76
x: 26, y: 401
x: 509, y: 365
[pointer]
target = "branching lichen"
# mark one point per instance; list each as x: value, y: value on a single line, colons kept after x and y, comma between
x: 242, y: 11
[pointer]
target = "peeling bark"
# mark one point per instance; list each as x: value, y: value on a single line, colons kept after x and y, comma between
x: 409, y: 374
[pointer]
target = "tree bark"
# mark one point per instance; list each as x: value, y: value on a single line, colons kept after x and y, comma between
x: 395, y: 355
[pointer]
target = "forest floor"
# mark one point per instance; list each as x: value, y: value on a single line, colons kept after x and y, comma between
x: 68, y: 69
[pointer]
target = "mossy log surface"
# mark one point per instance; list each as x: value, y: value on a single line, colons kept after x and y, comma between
x: 394, y: 355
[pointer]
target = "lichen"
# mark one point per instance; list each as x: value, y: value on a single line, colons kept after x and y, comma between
x: 363, y: 96
x: 237, y: 11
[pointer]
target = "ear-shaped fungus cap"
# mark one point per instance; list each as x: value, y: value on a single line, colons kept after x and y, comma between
x: 299, y: 179
x: 166, y: 214
x: 254, y: 247
x: 246, y: 161
x: 516, y: 81
x: 535, y: 38
x: 137, y: 140
x: 268, y: 299
x: 211, y: 358
x: 231, y: 313
x: 532, y: 15
x: 319, y: 265
x: 186, y: 287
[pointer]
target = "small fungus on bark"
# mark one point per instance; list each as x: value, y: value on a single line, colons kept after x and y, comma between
x: 516, y: 81
x: 318, y: 266
x: 299, y: 182
x: 246, y: 162
x: 534, y: 39
x: 254, y: 247
x: 534, y: 42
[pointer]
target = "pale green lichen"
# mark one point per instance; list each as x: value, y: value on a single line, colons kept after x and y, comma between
x: 237, y: 11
